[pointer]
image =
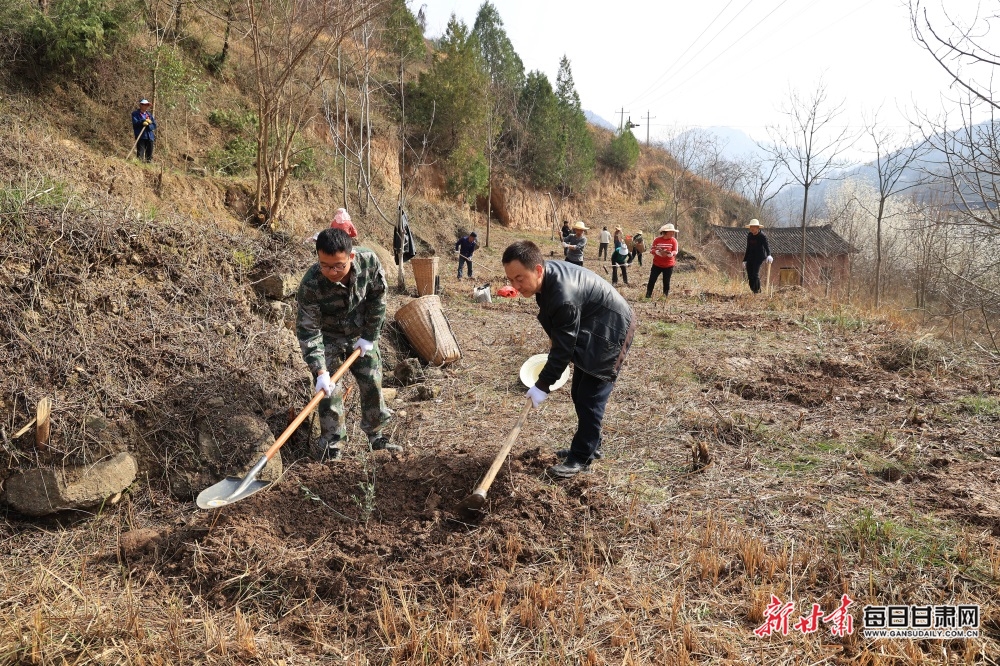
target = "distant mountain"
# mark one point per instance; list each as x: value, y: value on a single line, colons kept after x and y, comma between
x: 734, y: 144
x: 598, y: 121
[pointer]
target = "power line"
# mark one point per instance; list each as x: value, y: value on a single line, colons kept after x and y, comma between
x: 689, y: 47
x: 702, y: 49
x: 724, y: 51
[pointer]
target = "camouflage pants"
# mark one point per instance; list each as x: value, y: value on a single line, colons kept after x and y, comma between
x: 367, y: 371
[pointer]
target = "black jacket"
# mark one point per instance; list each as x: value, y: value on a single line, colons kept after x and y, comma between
x: 757, y: 249
x: 588, y: 321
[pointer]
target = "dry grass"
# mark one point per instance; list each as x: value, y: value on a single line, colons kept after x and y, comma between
x: 668, y: 566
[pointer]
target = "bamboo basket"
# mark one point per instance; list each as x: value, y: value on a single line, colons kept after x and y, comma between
x: 424, y: 271
x: 425, y: 326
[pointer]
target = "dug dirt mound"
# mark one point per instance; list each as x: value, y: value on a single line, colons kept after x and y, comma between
x: 333, y: 532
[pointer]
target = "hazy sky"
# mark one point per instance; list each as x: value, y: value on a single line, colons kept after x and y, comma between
x: 722, y: 62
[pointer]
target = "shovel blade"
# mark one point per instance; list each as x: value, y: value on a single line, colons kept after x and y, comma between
x: 224, y: 492
x: 472, y: 506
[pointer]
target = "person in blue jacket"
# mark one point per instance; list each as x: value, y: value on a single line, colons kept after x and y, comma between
x: 464, y: 248
x: 143, y: 128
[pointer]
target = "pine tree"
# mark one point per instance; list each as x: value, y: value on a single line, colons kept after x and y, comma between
x: 540, y: 106
x: 450, y: 106
x: 577, y: 155
x: 622, y: 153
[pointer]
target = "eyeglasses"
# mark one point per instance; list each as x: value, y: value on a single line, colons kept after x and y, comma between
x: 336, y: 268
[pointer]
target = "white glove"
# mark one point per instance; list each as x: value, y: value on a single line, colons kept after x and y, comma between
x: 537, y: 396
x: 744, y: 264
x: 324, y: 384
x: 364, y: 346
x: 770, y: 259
x: 565, y: 244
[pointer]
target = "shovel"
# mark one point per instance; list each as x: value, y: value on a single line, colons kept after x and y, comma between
x: 232, y: 489
x: 474, y: 503
x: 141, y: 134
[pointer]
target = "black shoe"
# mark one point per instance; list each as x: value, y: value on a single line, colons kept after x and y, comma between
x: 382, y: 443
x: 564, y: 453
x: 568, y: 468
x: 324, y: 449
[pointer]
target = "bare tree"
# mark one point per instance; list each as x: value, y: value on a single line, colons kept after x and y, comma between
x: 690, y: 149
x: 969, y: 154
x: 894, y: 158
x: 293, y: 43
x: 810, y: 146
x: 760, y: 181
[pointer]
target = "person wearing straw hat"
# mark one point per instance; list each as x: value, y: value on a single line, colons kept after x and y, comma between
x: 590, y: 325
x: 575, y: 242
x: 464, y: 247
x: 143, y: 128
x: 342, y: 220
x: 756, y: 254
x: 341, y: 307
x: 664, y: 251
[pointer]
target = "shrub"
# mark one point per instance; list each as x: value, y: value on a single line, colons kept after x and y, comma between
x: 75, y: 31
x: 622, y: 153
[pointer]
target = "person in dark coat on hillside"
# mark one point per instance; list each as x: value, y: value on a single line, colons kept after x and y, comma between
x: 464, y: 248
x: 757, y: 253
x: 144, y: 126
x: 565, y: 231
x: 590, y: 325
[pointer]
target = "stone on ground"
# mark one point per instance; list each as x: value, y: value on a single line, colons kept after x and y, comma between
x: 40, y: 492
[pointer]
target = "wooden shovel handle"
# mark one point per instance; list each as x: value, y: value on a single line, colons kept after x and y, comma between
x: 294, y: 425
x: 491, y: 474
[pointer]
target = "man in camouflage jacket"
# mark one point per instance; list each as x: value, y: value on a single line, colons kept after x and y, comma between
x: 341, y: 308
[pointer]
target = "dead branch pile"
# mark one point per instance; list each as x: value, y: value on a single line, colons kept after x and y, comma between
x: 136, y: 328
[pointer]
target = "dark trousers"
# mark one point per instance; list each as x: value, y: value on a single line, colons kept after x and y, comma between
x: 463, y: 260
x: 574, y: 261
x: 602, y: 251
x: 590, y: 397
x: 654, y: 272
x: 614, y: 273
x: 144, y: 150
x: 635, y: 255
x: 753, y: 276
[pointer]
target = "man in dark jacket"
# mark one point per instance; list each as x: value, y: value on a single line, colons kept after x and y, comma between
x: 590, y: 325
x: 464, y: 248
x: 757, y: 253
x: 143, y: 127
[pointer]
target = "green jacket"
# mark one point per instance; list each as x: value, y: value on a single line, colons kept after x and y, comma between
x: 335, y: 315
x: 620, y: 256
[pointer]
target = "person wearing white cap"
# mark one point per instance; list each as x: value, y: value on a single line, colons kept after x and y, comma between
x: 342, y: 220
x: 757, y: 253
x: 575, y: 242
x: 143, y: 127
x: 664, y: 251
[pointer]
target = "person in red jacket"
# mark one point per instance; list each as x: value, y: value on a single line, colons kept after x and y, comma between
x: 664, y: 251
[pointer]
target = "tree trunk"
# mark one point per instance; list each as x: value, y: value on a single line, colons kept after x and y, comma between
x: 878, y: 253
x: 805, y: 204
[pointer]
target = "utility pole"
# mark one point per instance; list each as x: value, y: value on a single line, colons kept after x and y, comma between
x: 621, y: 119
x: 647, y: 118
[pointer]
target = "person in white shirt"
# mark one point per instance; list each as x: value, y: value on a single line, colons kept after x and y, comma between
x: 604, y: 239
